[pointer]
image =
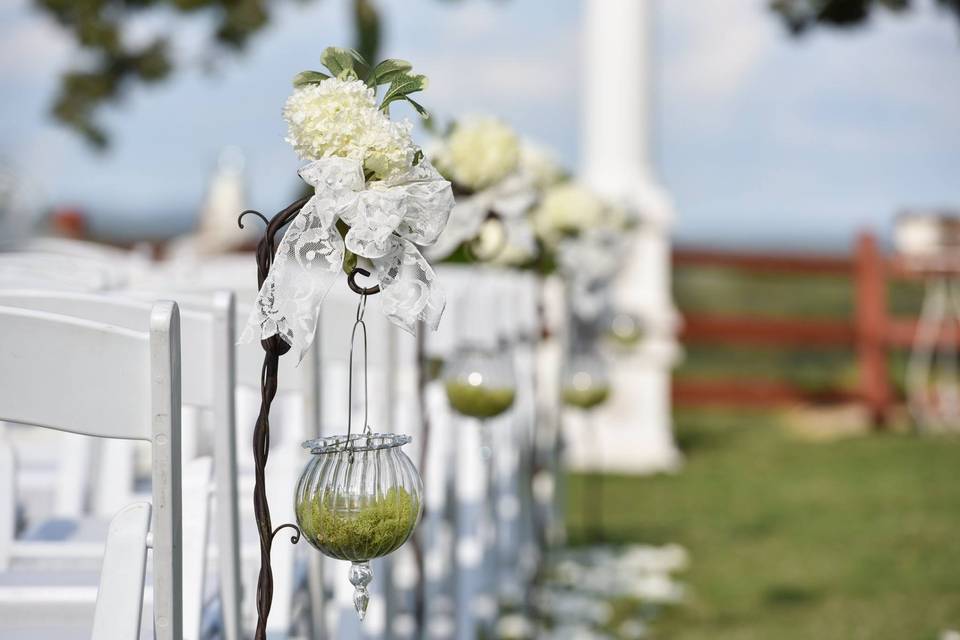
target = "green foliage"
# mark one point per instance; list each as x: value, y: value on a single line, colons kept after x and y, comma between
x: 385, y: 72
x: 800, y: 16
x: 401, y: 86
x: 343, y: 63
x: 367, y: 29
x: 478, y: 401
x: 350, y: 64
x: 353, y: 532
x: 112, y: 66
x: 309, y: 77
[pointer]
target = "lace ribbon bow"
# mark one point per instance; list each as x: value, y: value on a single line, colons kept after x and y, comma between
x: 511, y: 198
x: 387, y: 220
x: 589, y: 264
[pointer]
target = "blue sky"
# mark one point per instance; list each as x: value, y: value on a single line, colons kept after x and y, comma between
x: 760, y: 139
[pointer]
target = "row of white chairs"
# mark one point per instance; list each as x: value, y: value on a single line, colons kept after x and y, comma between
x: 476, y: 557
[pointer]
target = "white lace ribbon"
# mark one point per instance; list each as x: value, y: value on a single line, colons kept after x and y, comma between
x: 510, y: 198
x: 589, y: 264
x: 388, y: 221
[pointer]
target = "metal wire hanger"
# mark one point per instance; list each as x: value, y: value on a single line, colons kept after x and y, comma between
x: 358, y: 323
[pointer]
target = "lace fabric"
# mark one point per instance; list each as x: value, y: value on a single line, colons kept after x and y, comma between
x: 511, y: 198
x: 388, y: 222
x: 589, y: 264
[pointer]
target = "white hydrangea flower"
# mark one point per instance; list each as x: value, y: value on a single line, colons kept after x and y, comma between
x: 390, y: 148
x: 478, y: 153
x: 540, y: 165
x: 565, y: 209
x: 339, y: 118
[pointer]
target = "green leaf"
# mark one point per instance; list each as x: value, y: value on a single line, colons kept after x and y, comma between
x: 402, y: 85
x: 386, y: 71
x: 308, y: 77
x: 343, y: 63
x: 349, y: 261
x: 419, y: 107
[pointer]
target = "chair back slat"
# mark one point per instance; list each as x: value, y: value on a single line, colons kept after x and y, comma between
x: 96, y: 379
x: 165, y: 405
x: 196, y: 328
x: 105, y: 368
x: 118, y: 610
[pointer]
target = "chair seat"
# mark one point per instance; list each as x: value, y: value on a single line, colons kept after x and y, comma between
x: 29, y: 577
x: 41, y: 603
x: 68, y: 530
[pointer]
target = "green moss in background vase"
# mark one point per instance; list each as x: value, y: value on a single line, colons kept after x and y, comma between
x: 349, y: 533
x: 585, y: 398
x: 479, y: 401
x: 627, y: 340
x: 625, y: 331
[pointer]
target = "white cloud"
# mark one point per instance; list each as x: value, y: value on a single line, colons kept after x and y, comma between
x: 32, y: 45
x: 718, y: 45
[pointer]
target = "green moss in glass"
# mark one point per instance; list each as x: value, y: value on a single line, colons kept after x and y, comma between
x: 356, y: 533
x: 587, y: 398
x: 479, y: 401
x: 624, y: 338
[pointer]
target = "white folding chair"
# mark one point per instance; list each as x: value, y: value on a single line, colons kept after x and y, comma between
x: 119, y: 598
x: 295, y: 418
x: 207, y: 339
x: 100, y: 380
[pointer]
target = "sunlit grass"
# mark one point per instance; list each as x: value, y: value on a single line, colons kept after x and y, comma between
x: 850, y: 538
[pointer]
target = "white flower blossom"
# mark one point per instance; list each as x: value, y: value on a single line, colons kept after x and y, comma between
x: 567, y: 209
x: 540, y: 165
x: 339, y: 118
x: 478, y: 153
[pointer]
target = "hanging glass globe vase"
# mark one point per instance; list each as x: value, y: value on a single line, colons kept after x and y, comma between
x: 359, y: 497
x: 586, y: 381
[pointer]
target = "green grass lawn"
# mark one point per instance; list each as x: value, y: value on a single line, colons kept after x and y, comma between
x: 790, y: 539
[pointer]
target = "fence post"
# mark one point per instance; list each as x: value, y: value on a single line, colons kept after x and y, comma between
x: 871, y: 327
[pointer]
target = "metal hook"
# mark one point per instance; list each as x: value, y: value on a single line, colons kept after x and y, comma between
x: 363, y: 291
x: 256, y: 213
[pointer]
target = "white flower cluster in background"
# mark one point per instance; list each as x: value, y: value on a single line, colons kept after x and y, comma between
x: 567, y: 209
x: 541, y: 166
x: 339, y: 118
x: 478, y: 153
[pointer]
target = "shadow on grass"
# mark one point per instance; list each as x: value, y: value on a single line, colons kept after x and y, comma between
x: 791, y: 595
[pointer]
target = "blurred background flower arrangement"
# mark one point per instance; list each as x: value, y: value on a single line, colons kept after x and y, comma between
x: 699, y: 298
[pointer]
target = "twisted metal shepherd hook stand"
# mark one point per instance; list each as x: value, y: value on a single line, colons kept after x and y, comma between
x: 274, y: 347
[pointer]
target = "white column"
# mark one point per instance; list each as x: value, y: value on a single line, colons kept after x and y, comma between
x: 634, y: 431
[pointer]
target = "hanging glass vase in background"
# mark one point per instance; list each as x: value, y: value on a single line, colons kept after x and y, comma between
x: 480, y: 383
x: 586, y: 381
x: 624, y: 330
x: 359, y: 497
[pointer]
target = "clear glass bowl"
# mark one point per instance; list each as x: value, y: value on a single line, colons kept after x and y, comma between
x: 586, y: 381
x: 479, y: 383
x: 358, y: 498
x: 625, y: 330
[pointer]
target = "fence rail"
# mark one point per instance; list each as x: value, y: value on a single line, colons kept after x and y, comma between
x: 870, y: 332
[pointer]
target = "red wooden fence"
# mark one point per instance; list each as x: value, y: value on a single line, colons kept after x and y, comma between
x: 871, y: 332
